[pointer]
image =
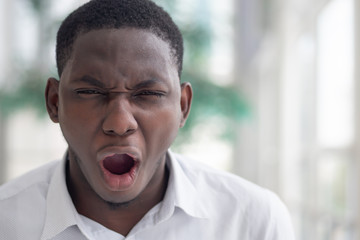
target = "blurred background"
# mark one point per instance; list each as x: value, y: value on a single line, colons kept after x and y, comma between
x: 276, y: 98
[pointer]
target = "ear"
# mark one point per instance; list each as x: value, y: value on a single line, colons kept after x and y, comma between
x: 52, y: 99
x: 185, y: 101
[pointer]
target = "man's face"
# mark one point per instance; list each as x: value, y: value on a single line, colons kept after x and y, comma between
x: 120, y: 105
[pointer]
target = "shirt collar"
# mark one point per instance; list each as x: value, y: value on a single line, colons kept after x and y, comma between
x: 181, y: 192
x: 60, y: 210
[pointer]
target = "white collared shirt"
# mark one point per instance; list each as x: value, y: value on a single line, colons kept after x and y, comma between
x: 200, y: 203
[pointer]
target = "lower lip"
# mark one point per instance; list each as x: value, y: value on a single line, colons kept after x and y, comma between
x: 121, y: 182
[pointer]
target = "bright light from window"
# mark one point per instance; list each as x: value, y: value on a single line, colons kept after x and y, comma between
x: 335, y: 75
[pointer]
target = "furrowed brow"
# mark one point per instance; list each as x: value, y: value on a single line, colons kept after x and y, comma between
x: 90, y: 80
x: 148, y: 83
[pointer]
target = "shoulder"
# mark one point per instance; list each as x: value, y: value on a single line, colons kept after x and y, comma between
x: 220, y: 181
x: 35, y: 178
x: 237, y: 201
x: 23, y: 203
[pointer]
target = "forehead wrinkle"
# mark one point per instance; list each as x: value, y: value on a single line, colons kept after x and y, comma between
x: 147, y: 84
x: 90, y: 80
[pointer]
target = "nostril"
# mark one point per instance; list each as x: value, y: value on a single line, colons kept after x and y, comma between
x: 120, y: 133
x: 119, y: 130
x: 108, y: 131
x: 119, y: 122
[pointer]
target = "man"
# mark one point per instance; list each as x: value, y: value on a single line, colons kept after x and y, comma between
x: 119, y: 103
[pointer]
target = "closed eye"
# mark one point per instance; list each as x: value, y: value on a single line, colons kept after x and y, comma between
x: 150, y: 93
x: 89, y: 92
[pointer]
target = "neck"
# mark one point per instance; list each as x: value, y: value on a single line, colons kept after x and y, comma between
x: 119, y: 217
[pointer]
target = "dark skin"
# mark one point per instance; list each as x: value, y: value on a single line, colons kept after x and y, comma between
x: 119, y: 94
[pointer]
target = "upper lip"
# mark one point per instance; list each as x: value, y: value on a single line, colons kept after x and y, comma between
x: 111, y: 150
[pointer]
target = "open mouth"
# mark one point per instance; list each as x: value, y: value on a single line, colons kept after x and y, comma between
x: 119, y: 163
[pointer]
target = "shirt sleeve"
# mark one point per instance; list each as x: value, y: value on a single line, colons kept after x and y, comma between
x: 280, y: 222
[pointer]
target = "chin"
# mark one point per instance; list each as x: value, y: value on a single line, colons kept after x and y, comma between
x: 118, y: 198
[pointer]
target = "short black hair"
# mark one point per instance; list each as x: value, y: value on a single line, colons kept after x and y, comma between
x: 108, y: 14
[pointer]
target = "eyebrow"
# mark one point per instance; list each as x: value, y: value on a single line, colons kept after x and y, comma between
x: 148, y: 83
x: 90, y: 80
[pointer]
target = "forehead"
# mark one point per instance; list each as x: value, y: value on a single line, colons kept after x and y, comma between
x: 125, y: 49
x: 129, y: 39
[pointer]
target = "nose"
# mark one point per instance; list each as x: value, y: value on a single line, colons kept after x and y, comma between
x: 119, y: 119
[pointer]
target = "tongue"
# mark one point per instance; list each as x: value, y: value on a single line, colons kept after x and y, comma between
x: 118, y: 163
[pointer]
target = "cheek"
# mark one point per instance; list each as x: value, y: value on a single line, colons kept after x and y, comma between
x: 78, y: 125
x: 161, y: 129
